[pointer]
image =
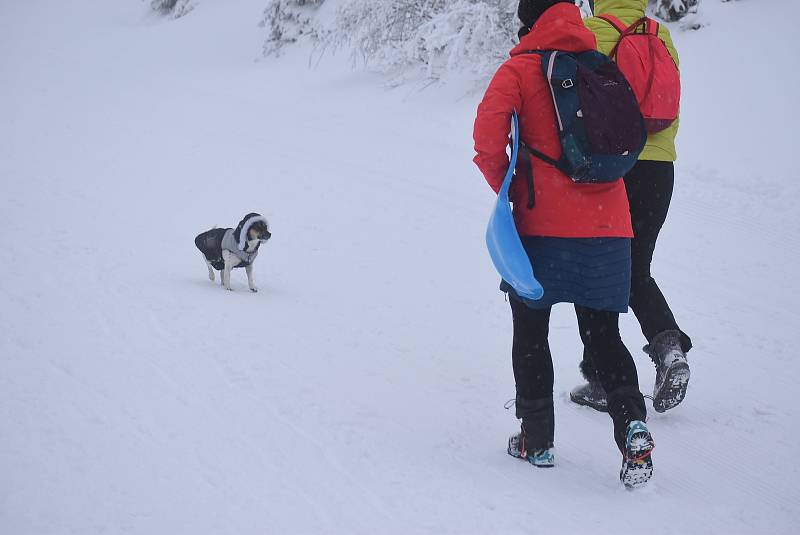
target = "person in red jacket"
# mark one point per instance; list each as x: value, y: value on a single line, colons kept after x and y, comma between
x: 577, y: 237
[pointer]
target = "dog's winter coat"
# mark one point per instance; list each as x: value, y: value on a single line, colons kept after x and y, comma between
x: 211, y: 243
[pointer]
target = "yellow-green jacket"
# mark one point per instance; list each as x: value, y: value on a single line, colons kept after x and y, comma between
x: 660, y: 146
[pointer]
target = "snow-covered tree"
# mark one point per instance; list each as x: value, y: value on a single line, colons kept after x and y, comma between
x: 440, y: 35
x: 287, y: 21
x: 175, y: 8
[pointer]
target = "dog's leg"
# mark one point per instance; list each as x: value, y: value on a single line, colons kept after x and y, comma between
x: 210, y: 271
x: 231, y: 261
x: 226, y: 277
x: 226, y: 271
x: 250, y: 281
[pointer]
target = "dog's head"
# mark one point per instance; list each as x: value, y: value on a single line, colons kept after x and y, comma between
x: 253, y: 227
x: 259, y: 230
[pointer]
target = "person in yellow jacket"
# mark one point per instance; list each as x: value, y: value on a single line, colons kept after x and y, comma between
x: 649, y: 186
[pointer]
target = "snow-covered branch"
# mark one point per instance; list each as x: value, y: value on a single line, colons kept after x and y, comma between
x: 287, y: 21
x: 174, y: 8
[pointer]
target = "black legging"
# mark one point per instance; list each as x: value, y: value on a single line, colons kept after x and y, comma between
x: 649, y: 185
x: 533, y: 370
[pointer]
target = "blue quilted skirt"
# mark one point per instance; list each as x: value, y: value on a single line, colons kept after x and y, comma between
x: 591, y: 272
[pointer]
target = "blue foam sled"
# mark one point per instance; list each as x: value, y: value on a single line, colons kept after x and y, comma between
x: 505, y: 247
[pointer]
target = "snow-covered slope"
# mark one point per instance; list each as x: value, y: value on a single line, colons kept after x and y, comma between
x: 361, y: 390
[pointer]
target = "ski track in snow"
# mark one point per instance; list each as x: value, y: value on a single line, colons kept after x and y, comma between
x: 361, y: 390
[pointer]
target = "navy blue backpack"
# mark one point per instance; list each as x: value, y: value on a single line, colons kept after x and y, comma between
x: 600, y: 125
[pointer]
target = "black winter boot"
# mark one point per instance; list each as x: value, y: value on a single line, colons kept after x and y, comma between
x: 672, y: 370
x: 591, y: 394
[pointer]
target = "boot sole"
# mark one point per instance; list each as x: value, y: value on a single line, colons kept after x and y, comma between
x: 636, y: 474
x: 637, y: 465
x: 673, y: 389
x: 585, y: 403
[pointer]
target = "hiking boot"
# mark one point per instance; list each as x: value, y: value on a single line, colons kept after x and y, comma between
x: 592, y: 395
x: 672, y: 370
x: 542, y: 458
x: 637, y: 461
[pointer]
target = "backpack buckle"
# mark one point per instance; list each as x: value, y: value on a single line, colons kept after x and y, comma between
x: 566, y: 84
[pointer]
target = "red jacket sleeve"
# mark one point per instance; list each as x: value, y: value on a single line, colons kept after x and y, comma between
x: 493, y: 124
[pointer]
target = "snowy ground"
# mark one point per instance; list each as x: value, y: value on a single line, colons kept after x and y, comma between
x: 361, y: 390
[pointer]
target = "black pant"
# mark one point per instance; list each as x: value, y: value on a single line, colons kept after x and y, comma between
x: 533, y: 370
x: 649, y: 185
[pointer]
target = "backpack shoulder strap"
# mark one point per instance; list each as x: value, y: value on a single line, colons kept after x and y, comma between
x: 613, y: 21
x: 623, y: 30
x: 618, y: 25
x: 652, y: 27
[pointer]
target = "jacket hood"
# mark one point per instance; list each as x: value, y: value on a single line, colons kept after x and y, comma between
x: 240, y: 234
x: 615, y: 6
x: 559, y: 28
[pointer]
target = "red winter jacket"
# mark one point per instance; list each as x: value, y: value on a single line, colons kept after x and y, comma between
x: 563, y: 209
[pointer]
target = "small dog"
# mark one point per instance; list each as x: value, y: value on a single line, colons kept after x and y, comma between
x: 225, y: 248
